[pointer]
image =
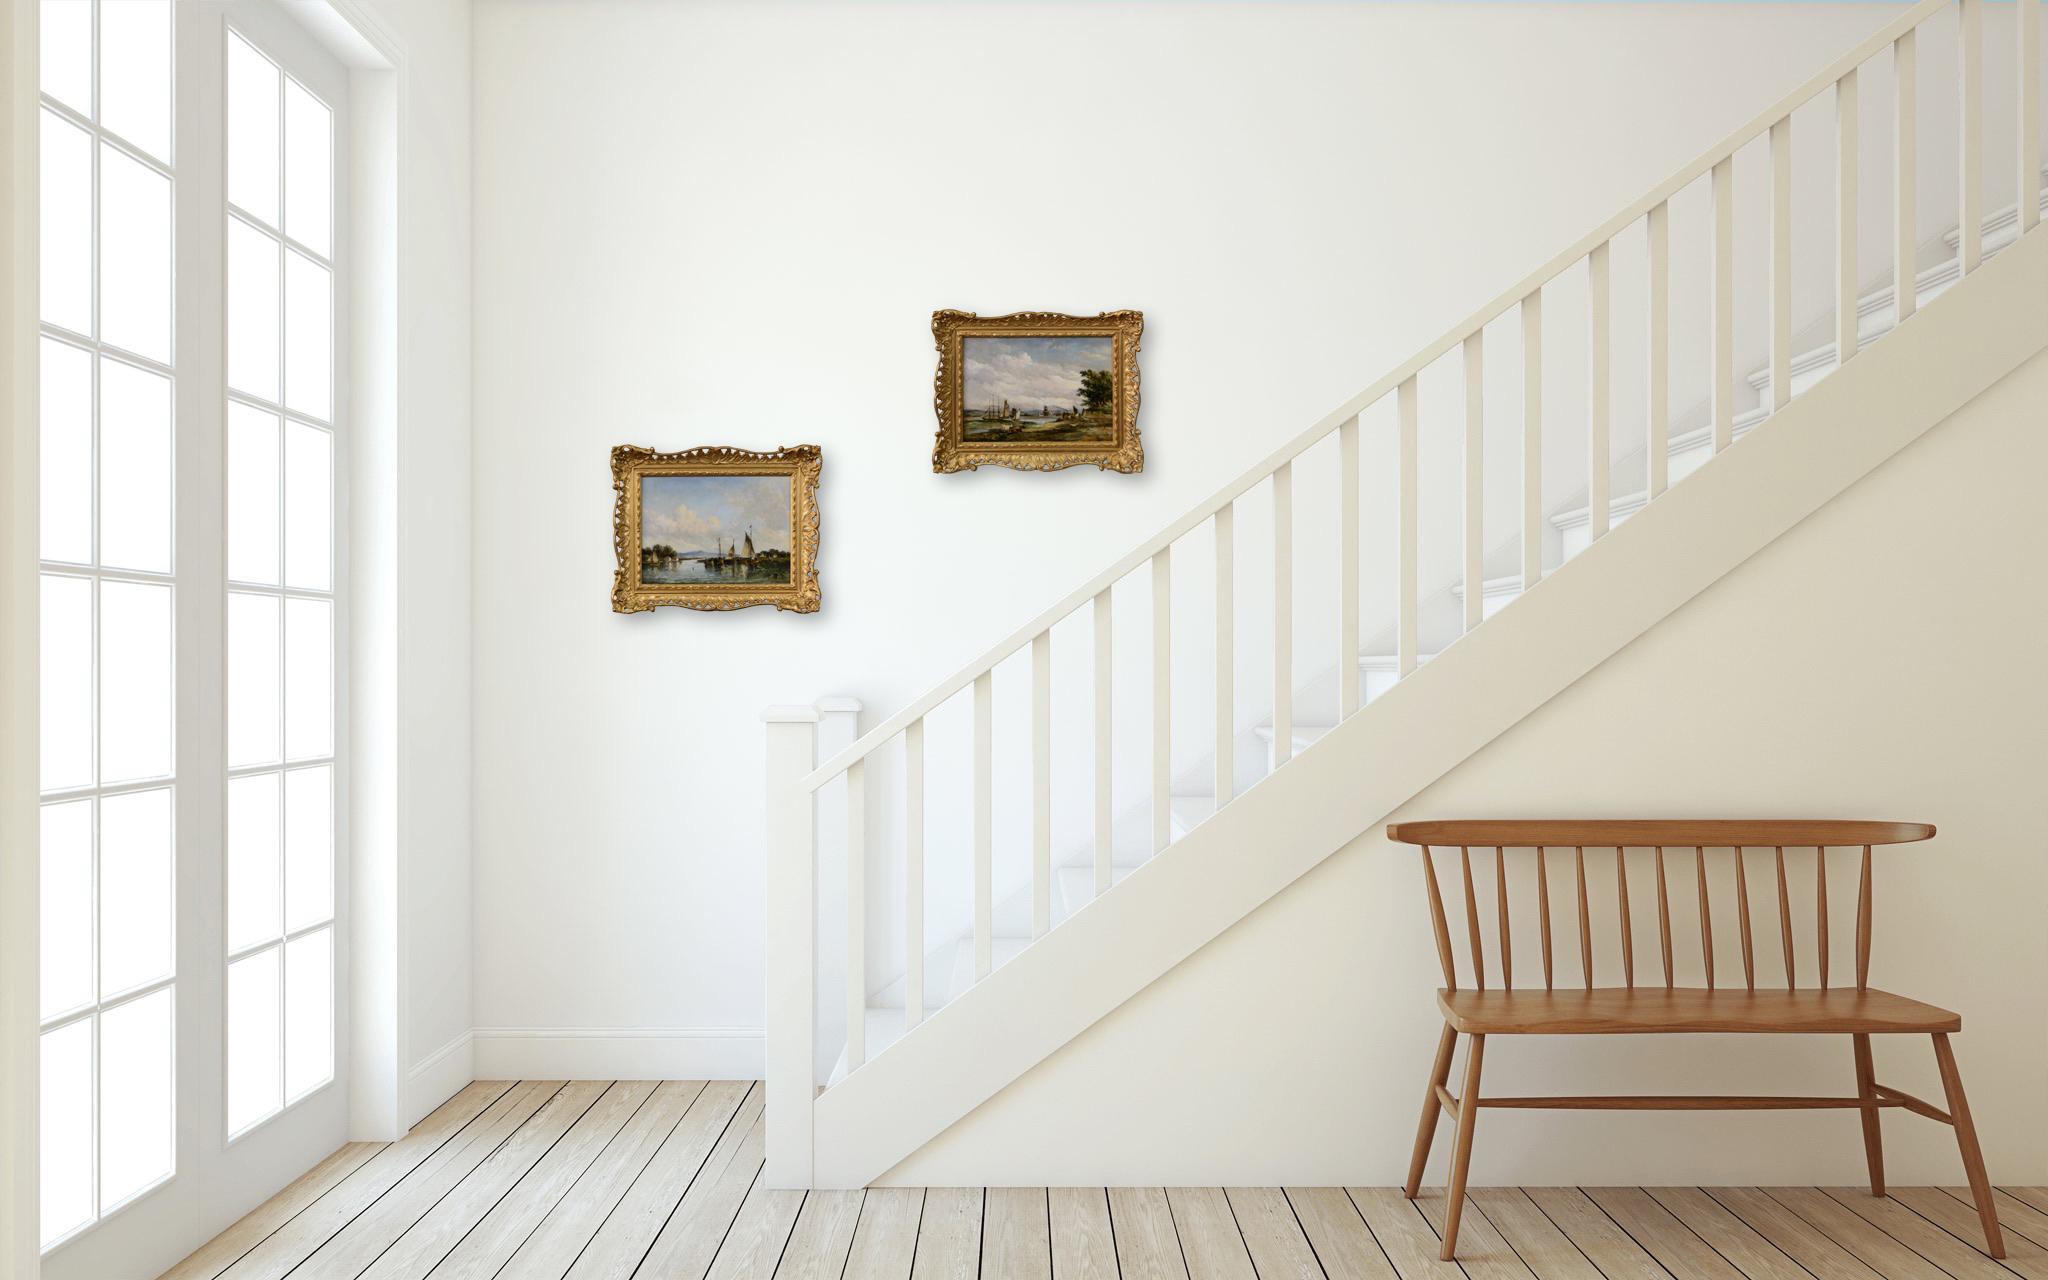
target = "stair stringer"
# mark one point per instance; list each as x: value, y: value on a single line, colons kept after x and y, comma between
x: 1434, y: 720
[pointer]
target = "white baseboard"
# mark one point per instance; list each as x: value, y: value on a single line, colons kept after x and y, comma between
x: 438, y: 1077
x: 618, y: 1053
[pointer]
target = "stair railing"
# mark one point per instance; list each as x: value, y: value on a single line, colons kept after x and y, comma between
x: 793, y: 781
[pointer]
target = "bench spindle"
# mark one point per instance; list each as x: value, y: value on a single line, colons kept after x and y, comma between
x: 1820, y: 896
x: 1785, y: 922
x: 1585, y: 921
x: 1699, y: 865
x: 1742, y: 910
x: 1436, y: 916
x: 1863, y: 926
x: 1628, y: 941
x: 1500, y: 910
x: 1663, y: 918
x: 1472, y: 918
x: 1543, y: 912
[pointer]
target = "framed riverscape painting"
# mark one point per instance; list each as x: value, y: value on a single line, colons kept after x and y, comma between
x: 716, y: 528
x: 1038, y: 391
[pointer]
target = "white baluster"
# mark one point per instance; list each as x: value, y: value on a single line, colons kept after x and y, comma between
x: 913, y: 873
x: 791, y: 930
x: 1162, y: 698
x: 856, y: 915
x: 1041, y: 784
x: 1475, y: 476
x: 984, y: 825
x: 1598, y: 350
x: 1970, y: 167
x: 1226, y: 660
x: 1846, y: 283
x: 1721, y: 391
x: 1347, y: 567
x: 1532, y: 439
x: 1405, y: 606
x: 1905, y: 175
x: 1283, y: 614
x: 1657, y: 448
x: 1104, y: 710
x: 1781, y: 264
x: 2027, y: 17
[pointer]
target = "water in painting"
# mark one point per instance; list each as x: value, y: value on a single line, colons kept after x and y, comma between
x: 1027, y: 390
x: 715, y: 530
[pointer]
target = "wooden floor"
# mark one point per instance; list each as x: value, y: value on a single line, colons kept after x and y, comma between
x: 633, y: 1178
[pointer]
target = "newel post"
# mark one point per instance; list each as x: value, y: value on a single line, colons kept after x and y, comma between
x: 790, y: 912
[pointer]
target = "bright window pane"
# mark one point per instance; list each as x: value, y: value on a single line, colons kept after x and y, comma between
x: 66, y: 906
x: 308, y: 330
x: 252, y: 860
x: 308, y: 846
x: 253, y: 1043
x: 135, y: 255
x: 67, y: 1128
x: 252, y: 310
x: 308, y: 507
x: 308, y: 160
x: 135, y: 73
x: 66, y: 229
x: 135, y: 890
x: 135, y: 1096
x: 308, y: 679
x: 309, y: 1012
x: 252, y: 494
x: 67, y: 53
x: 253, y: 670
x: 252, y: 130
x: 66, y: 682
x: 66, y: 462
x: 135, y: 681
x: 135, y: 468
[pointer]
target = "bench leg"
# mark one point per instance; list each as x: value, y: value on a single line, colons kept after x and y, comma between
x: 1873, y: 1136
x: 1966, y: 1139
x: 1461, y: 1155
x: 1439, y: 1075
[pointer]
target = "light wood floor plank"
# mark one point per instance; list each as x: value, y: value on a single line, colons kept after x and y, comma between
x: 296, y: 1240
x: 1543, y: 1249
x: 2035, y: 1196
x: 219, y: 1253
x: 2014, y: 1213
x: 1016, y: 1237
x: 1083, y: 1245
x: 1272, y: 1236
x: 1918, y: 1234
x: 1482, y: 1251
x: 725, y: 1107
x: 1681, y: 1252
x: 1147, y: 1247
x: 351, y: 1250
x: 1743, y: 1248
x: 1959, y: 1219
x: 1884, y: 1255
x: 1605, y: 1245
x: 823, y: 1234
x: 491, y: 1243
x: 885, y: 1240
x: 1210, y: 1243
x: 753, y: 1247
x: 949, y: 1235
x: 1793, y: 1235
x: 689, y: 1240
x: 1338, y: 1234
x: 1406, y: 1237
x: 554, y: 1245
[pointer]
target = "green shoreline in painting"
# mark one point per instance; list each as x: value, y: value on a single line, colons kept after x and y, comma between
x: 1088, y: 428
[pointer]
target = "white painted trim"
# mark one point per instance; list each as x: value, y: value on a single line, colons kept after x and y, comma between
x: 438, y: 1077
x: 1489, y: 680
x: 619, y: 1053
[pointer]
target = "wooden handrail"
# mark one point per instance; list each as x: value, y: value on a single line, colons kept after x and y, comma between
x: 1229, y: 493
x: 1649, y: 833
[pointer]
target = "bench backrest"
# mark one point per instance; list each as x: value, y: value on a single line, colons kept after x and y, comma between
x: 1609, y: 840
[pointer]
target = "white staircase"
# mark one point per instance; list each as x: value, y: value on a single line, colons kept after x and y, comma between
x: 1094, y: 924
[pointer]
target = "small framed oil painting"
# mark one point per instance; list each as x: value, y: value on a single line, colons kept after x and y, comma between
x: 716, y: 528
x: 1038, y: 391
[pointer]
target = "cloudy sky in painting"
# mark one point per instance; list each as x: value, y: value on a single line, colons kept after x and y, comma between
x: 1029, y: 372
x: 694, y: 513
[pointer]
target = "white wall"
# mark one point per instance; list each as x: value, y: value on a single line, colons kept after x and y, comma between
x: 716, y: 223
x: 1822, y: 677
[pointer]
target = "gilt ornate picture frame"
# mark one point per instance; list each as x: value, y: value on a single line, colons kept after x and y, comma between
x: 716, y: 528
x: 1037, y: 390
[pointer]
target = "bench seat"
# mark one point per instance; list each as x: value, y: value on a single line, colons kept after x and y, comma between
x: 1648, y: 1010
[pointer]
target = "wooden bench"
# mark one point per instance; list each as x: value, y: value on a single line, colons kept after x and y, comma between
x: 1859, y: 1011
